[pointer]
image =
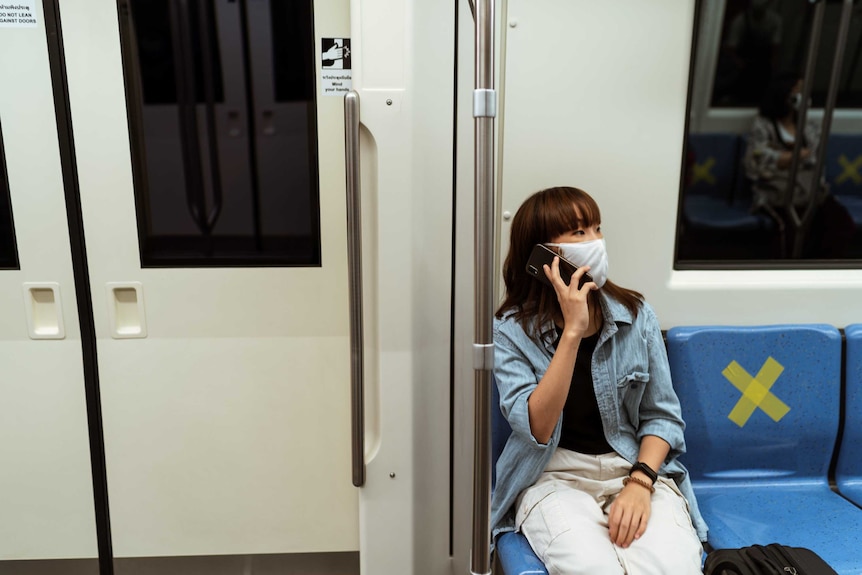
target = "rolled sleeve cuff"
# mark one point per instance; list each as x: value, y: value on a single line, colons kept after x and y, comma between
x: 666, y: 430
x: 519, y: 420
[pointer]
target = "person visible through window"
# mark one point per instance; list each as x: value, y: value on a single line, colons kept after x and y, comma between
x: 767, y: 161
x: 590, y: 472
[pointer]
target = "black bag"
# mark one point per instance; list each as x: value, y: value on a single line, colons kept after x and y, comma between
x: 772, y: 559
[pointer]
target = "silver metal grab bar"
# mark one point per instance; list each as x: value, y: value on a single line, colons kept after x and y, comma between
x: 834, y: 80
x: 804, y: 222
x: 208, y: 67
x: 184, y: 66
x: 802, y: 116
x: 832, y: 94
x: 354, y: 266
x: 484, y: 113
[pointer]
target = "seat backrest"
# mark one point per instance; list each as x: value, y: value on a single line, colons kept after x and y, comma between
x: 843, y: 168
x: 500, y: 430
x: 716, y: 165
x: 760, y: 403
x: 849, y: 467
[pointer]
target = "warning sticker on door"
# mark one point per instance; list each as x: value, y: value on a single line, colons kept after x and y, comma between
x: 335, y: 72
x: 18, y: 14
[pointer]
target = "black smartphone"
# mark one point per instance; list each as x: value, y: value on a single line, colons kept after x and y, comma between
x: 542, y: 255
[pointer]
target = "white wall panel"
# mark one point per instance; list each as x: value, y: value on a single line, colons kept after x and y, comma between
x: 46, y: 490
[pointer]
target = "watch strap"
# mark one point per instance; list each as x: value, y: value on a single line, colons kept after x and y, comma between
x: 645, y: 469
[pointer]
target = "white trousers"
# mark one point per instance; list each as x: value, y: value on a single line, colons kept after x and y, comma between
x: 564, y: 516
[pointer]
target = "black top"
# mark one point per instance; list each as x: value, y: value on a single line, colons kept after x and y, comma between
x: 582, y: 429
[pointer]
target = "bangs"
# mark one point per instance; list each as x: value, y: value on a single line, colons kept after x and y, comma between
x: 567, y: 209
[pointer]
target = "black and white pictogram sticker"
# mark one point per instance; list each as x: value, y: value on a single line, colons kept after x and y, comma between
x: 335, y: 72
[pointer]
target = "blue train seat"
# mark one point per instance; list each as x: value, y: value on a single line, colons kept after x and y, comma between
x: 714, y: 199
x: 715, y: 172
x: 761, y: 406
x: 514, y: 554
x: 848, y: 473
x: 843, y: 171
x: 843, y: 168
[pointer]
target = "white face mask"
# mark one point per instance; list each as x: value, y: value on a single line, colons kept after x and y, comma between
x: 796, y: 101
x: 591, y: 253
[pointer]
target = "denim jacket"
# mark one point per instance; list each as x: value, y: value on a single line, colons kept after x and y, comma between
x: 631, y: 377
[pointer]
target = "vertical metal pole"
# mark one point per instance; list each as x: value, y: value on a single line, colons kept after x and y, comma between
x: 807, y: 83
x: 484, y: 112
x: 826, y: 126
x: 834, y: 80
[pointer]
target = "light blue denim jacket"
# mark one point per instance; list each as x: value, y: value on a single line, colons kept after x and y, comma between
x: 631, y: 377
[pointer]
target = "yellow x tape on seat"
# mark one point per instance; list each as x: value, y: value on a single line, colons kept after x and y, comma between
x: 703, y: 172
x: 851, y: 170
x: 755, y: 391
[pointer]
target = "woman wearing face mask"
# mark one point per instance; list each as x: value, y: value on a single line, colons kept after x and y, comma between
x: 590, y: 472
x: 767, y: 166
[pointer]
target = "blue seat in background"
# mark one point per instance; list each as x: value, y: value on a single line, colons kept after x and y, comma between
x: 843, y: 171
x: 714, y: 199
x: 843, y: 168
x: 514, y: 553
x: 760, y: 470
x: 716, y: 168
x: 848, y: 473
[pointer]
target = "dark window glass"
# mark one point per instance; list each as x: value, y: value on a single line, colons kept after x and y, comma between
x: 760, y: 39
x: 222, y: 117
x: 737, y: 208
x: 8, y: 251
x: 293, y: 64
x: 158, y: 24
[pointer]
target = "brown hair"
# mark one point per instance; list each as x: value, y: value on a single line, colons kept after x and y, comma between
x: 542, y: 217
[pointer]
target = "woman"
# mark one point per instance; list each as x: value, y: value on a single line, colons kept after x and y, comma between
x: 768, y: 158
x: 589, y: 474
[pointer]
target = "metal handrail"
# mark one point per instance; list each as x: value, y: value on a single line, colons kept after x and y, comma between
x: 212, y: 128
x: 804, y: 221
x: 484, y: 112
x: 834, y: 80
x: 354, y: 266
x: 186, y: 103
x: 802, y: 115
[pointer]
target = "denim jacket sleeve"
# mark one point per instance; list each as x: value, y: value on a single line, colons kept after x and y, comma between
x: 660, y: 411
x: 519, y: 365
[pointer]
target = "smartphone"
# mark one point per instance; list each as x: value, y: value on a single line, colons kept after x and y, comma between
x: 542, y: 255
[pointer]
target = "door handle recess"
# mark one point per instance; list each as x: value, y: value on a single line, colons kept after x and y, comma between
x: 44, y: 310
x: 126, y: 310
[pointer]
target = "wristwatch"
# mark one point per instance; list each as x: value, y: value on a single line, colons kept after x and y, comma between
x: 645, y: 469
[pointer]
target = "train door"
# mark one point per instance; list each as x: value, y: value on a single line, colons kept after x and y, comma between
x: 46, y: 491
x: 212, y: 190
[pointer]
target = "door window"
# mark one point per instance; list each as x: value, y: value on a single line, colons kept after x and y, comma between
x: 222, y: 118
x: 748, y: 61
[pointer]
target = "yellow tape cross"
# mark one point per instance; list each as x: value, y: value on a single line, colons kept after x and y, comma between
x: 704, y: 172
x: 851, y: 170
x: 755, y: 391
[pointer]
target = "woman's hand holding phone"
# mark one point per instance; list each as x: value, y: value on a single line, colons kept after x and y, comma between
x: 572, y: 299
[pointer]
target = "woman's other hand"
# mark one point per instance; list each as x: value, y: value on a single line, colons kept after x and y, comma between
x: 629, y: 514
